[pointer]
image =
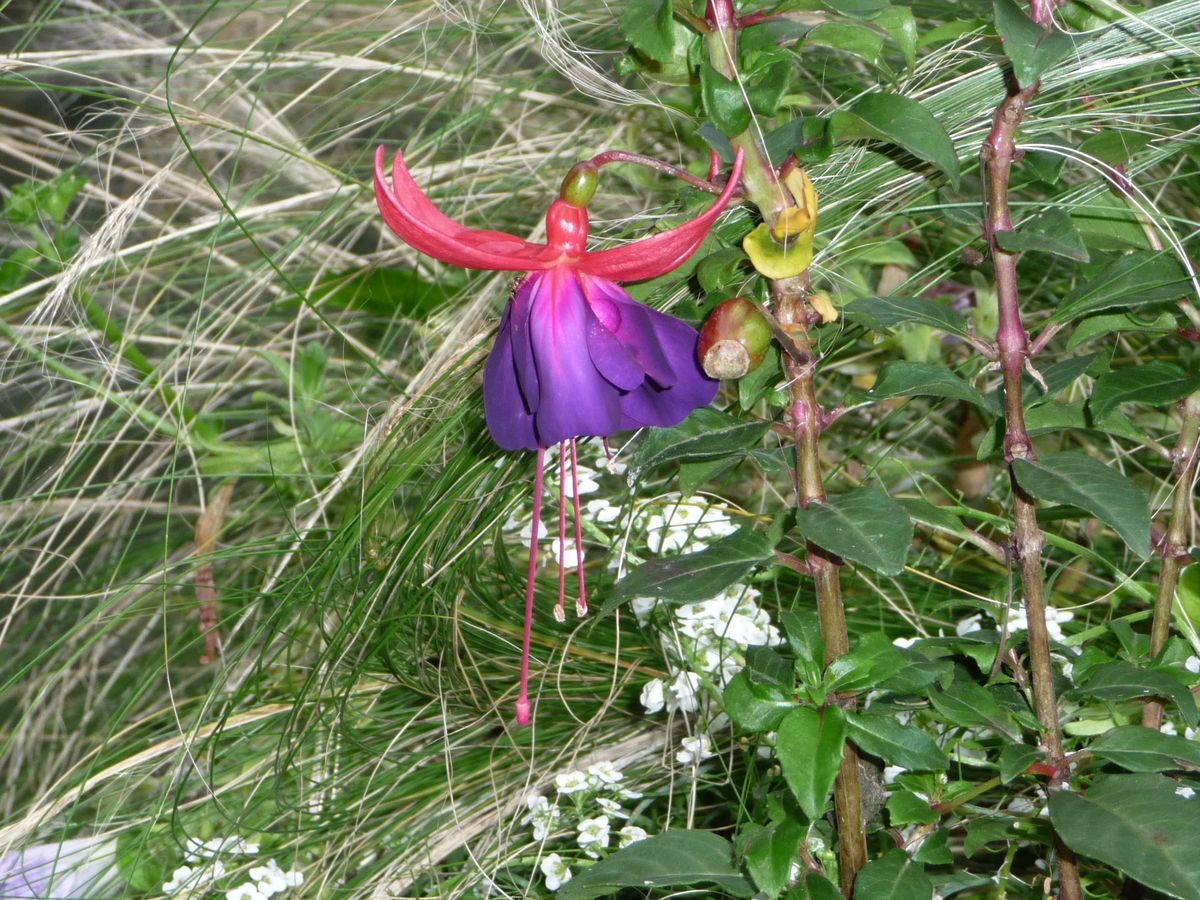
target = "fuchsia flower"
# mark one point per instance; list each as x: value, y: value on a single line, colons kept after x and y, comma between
x: 575, y: 355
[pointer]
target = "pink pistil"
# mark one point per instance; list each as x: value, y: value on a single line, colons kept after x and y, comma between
x: 560, y: 613
x: 523, y: 695
x: 581, y: 603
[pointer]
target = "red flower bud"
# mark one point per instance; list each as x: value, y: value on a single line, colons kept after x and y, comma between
x: 734, y: 340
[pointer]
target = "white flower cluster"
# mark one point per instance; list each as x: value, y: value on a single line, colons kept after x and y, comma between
x: 1018, y: 621
x: 204, y: 867
x: 592, y: 802
x: 709, y: 637
x: 685, y: 525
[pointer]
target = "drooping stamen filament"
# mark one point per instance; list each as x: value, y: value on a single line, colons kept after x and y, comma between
x: 560, y: 613
x: 523, y: 695
x: 581, y: 602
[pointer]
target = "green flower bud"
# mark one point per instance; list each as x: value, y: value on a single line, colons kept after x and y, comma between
x: 579, y: 187
x: 734, y: 339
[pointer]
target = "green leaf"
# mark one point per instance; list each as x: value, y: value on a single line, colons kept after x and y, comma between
x: 694, y: 576
x: 1141, y: 749
x: 893, y: 876
x: 1153, y: 383
x: 967, y: 705
x: 858, y: 40
x: 757, y: 382
x: 723, y: 101
x: 884, y: 313
x: 1015, y: 759
x: 675, y: 858
x: 901, y: 26
x: 871, y: 661
x: 769, y: 80
x: 1050, y: 418
x: 916, y: 379
x: 1030, y: 48
x: 809, y: 747
x: 934, y: 850
x: 1137, y: 279
x: 862, y: 9
x: 1115, y: 146
x: 1138, y: 825
x: 1098, y: 326
x: 649, y: 26
x: 899, y: 745
x: 1052, y: 232
x: 770, y: 853
x: 865, y: 526
x: 896, y: 119
x: 752, y: 708
x: 906, y: 808
x: 986, y: 831
x: 814, y: 887
x: 705, y: 434
x: 42, y: 204
x: 1076, y: 479
x: 1122, y: 681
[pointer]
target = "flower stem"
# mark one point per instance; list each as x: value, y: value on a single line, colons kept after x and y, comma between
x: 763, y: 188
x: 625, y: 156
x: 996, y: 159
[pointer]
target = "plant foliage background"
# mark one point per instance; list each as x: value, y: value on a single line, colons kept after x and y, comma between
x: 262, y: 566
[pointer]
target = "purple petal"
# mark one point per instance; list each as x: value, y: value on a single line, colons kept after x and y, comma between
x: 665, y: 401
x: 83, y: 867
x: 518, y: 316
x: 575, y: 398
x: 635, y: 328
x: 508, y: 418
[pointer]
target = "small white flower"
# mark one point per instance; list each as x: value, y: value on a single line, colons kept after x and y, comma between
x: 653, y: 695
x: 613, y: 466
x: 604, y: 773
x: 611, y: 808
x: 1168, y: 728
x: 630, y: 834
x: 542, y: 815
x: 584, y: 480
x: 556, y: 871
x: 271, y: 879
x: 1192, y: 664
x: 247, y: 891
x: 642, y: 607
x: 1186, y: 793
x: 684, y: 694
x: 570, y: 782
x: 180, y: 877
x: 904, y: 642
x: 695, y: 750
x: 891, y: 773
x: 567, y: 555
x: 968, y: 625
x: 593, y: 833
x: 602, y: 511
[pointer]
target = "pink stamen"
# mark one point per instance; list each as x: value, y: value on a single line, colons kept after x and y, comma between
x: 523, y: 695
x: 560, y: 613
x: 607, y: 450
x: 581, y: 603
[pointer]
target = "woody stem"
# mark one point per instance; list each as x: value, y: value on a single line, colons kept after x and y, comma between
x: 996, y: 159
x: 763, y: 188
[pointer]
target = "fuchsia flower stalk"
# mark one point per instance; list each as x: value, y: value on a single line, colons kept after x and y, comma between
x: 575, y: 355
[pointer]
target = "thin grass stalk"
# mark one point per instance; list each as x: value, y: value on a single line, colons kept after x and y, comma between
x: 1012, y: 343
x: 763, y: 188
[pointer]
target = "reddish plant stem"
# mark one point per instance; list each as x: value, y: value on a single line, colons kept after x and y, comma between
x: 996, y: 159
x: 1174, y: 547
x: 624, y: 156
